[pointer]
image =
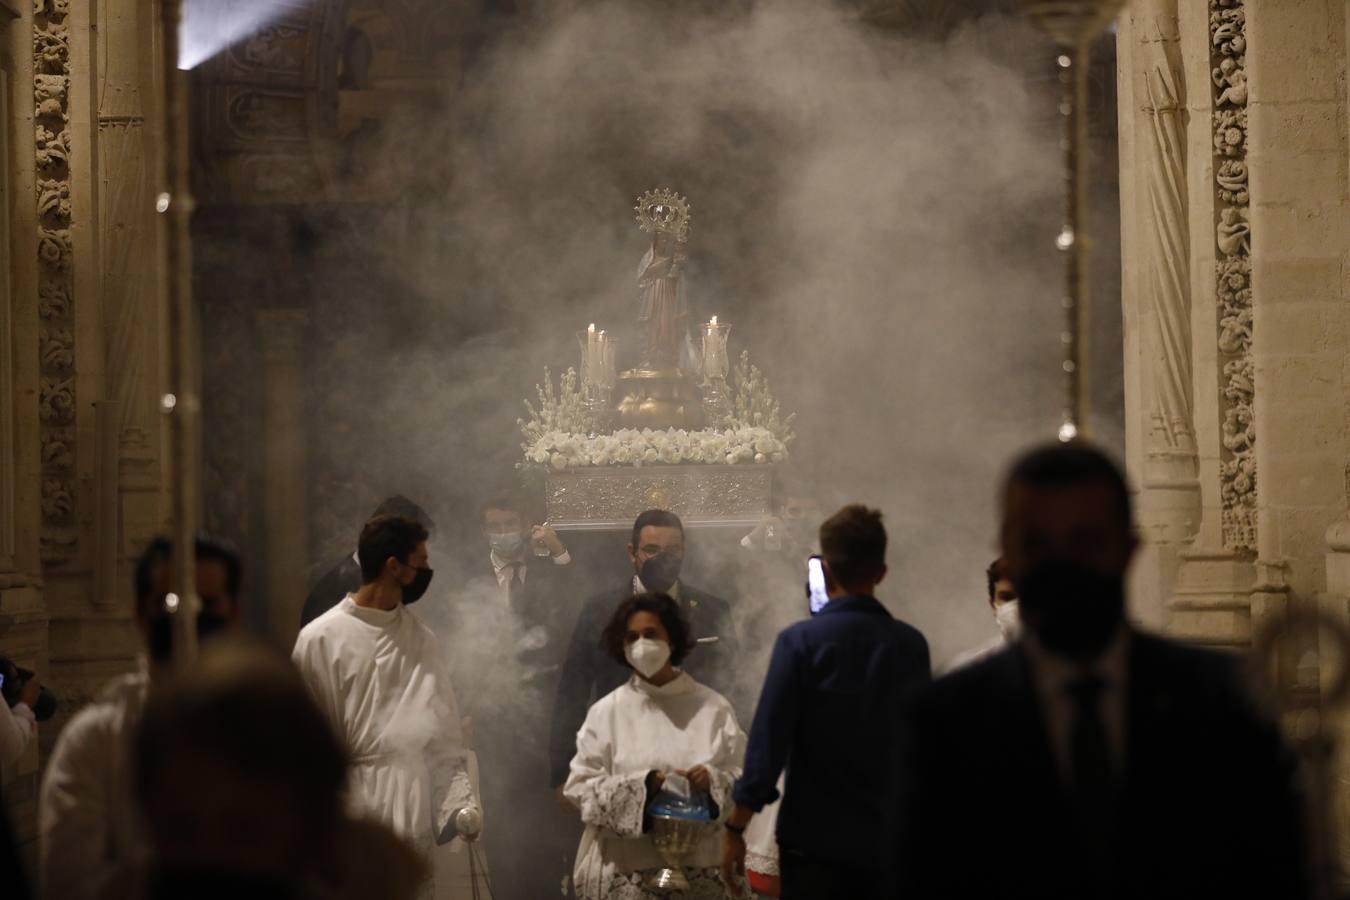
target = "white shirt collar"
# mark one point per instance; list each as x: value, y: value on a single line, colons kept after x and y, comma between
x: 498, y: 564
x: 640, y: 588
x: 1055, y: 673
x: 680, y: 684
x: 371, y: 614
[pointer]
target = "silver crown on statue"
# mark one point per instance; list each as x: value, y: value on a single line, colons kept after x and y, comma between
x: 664, y: 211
x: 676, y: 840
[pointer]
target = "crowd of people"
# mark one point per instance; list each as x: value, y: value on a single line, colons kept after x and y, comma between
x: 522, y: 746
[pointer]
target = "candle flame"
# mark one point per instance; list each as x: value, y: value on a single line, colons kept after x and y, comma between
x: 714, y: 321
x: 591, y: 329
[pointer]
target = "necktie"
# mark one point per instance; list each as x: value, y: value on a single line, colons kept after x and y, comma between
x: 1093, y: 785
x: 515, y: 582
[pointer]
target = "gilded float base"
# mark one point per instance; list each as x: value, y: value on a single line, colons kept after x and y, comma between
x: 659, y: 398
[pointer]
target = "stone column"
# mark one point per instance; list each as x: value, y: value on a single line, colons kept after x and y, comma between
x: 281, y: 333
x: 1193, y: 576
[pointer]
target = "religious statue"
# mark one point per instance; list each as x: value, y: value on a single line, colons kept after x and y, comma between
x: 663, y: 310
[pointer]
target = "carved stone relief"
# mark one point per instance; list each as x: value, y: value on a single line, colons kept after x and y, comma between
x: 1233, y: 287
x: 1171, y: 427
x: 56, y: 337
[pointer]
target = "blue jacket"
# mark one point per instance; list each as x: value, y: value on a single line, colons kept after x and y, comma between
x: 830, y: 711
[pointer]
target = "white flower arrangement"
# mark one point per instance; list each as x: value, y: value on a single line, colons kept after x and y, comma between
x: 561, y: 450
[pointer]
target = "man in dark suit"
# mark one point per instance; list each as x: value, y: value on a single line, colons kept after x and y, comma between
x: 829, y: 713
x: 657, y: 553
x: 1091, y: 760
x: 505, y: 630
x: 345, y: 576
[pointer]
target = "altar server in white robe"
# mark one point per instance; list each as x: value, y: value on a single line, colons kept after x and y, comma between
x: 381, y: 676
x: 661, y: 721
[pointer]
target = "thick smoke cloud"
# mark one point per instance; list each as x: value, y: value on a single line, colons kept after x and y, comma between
x: 872, y: 211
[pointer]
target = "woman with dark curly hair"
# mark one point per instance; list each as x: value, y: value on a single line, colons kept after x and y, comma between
x: 660, y: 723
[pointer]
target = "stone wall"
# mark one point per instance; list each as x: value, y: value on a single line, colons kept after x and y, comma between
x: 80, y: 478
x: 1236, y: 218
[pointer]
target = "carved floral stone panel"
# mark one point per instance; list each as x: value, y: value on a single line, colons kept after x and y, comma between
x: 1233, y: 276
x: 56, y: 307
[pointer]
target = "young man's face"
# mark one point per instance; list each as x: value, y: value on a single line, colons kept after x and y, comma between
x: 1076, y: 523
x: 1005, y: 592
x: 417, y: 559
x: 212, y: 589
x: 502, y: 521
x: 655, y: 540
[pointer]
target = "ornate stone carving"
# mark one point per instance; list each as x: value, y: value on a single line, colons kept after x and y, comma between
x: 56, y: 336
x: 1233, y: 290
x: 614, y: 497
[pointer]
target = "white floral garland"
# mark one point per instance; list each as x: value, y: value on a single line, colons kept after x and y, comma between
x: 629, y: 447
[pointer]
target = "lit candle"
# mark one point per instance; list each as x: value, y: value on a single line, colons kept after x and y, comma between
x: 605, y: 348
x: 714, y: 349
x: 591, y: 363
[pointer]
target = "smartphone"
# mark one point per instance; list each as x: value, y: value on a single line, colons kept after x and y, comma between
x: 816, y: 595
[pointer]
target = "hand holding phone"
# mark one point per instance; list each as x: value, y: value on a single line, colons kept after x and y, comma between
x: 817, y: 594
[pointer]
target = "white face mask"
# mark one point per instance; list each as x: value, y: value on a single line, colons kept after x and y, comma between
x: 1009, y: 622
x: 647, y: 656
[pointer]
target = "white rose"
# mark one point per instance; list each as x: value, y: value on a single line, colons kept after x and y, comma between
x: 761, y: 458
x: 649, y: 455
x: 558, y: 461
x: 539, y: 456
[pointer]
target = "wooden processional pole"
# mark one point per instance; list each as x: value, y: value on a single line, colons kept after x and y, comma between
x: 180, y: 399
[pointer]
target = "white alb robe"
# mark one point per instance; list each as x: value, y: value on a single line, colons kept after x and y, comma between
x: 88, y: 830
x: 634, y: 730
x: 383, y: 680
x: 761, y: 838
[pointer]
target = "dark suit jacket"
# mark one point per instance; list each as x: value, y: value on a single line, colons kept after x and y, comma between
x: 1209, y: 806
x: 545, y: 607
x: 588, y: 673
x: 341, y: 580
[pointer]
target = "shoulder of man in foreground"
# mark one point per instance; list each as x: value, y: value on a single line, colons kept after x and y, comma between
x: 106, y: 714
x: 86, y: 739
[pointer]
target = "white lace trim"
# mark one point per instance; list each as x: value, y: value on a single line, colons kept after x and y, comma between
x: 761, y: 863
x: 704, y: 884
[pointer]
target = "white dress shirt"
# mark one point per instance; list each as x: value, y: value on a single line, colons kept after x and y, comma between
x: 503, y: 568
x: 1053, y: 676
x: 673, y: 593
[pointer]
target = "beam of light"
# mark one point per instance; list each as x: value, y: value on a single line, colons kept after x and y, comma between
x: 210, y: 26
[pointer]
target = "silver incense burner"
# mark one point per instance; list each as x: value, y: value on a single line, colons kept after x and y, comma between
x: 676, y: 840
